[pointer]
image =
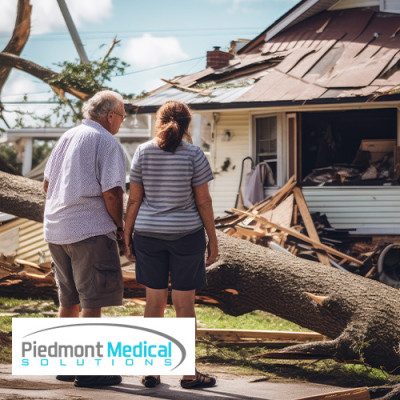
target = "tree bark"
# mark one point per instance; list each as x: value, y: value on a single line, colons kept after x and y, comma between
x: 361, y: 316
x: 21, y: 197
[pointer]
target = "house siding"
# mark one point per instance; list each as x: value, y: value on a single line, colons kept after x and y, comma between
x: 367, y: 209
x: 390, y: 6
x: 31, y: 240
x: 224, y: 188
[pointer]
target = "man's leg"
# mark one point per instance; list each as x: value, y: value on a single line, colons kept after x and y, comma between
x: 91, y: 312
x: 98, y: 279
x: 69, y: 311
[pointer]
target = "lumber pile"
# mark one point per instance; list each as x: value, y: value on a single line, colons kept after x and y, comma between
x: 283, y: 222
x: 23, y: 279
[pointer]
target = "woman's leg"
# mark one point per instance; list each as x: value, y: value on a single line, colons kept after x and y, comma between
x: 156, y: 301
x: 183, y: 301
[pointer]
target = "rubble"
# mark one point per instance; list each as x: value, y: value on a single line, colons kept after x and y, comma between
x: 283, y: 222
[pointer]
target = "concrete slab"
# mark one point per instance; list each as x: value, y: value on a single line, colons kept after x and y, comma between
x: 229, y: 387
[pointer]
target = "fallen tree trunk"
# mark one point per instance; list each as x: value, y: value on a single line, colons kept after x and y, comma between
x: 361, y: 316
x: 21, y: 197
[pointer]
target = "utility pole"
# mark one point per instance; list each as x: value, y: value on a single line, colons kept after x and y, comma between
x: 73, y: 32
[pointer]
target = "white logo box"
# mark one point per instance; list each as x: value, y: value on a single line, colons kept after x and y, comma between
x: 103, y: 346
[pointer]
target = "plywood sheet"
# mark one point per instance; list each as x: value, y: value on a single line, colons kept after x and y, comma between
x: 281, y: 215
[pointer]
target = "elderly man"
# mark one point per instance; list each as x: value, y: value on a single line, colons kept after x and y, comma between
x: 84, y: 182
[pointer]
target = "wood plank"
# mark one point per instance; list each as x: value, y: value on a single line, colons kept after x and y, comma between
x: 350, y: 394
x: 303, y: 237
x: 308, y: 222
x: 248, y: 232
x: 239, y: 334
x: 282, y: 214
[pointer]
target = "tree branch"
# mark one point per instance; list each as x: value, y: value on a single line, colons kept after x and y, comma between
x: 19, y: 37
x: 44, y: 74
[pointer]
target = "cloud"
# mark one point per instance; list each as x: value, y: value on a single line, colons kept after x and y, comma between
x: 238, y: 6
x: 149, y: 51
x: 46, y: 15
x: 16, y: 88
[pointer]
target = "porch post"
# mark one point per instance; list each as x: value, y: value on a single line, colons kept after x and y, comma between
x: 27, y: 162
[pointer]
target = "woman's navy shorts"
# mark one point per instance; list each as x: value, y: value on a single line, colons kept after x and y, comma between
x: 183, y: 259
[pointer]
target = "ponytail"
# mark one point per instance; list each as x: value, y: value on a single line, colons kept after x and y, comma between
x: 172, y: 123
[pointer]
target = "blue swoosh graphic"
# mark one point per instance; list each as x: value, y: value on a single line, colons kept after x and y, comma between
x: 140, y: 328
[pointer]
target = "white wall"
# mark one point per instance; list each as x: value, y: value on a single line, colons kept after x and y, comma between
x: 368, y: 209
x: 224, y: 188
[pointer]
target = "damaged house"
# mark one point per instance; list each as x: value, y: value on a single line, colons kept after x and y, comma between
x: 316, y: 95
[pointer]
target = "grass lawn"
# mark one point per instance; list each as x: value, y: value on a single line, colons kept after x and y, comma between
x: 238, y: 360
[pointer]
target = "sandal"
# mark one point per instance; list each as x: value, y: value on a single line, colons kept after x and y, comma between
x: 97, y: 380
x: 151, y: 381
x: 65, y: 378
x: 201, y: 381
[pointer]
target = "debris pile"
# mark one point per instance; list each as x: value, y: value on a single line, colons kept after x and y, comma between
x: 376, y: 162
x: 23, y: 279
x: 283, y: 222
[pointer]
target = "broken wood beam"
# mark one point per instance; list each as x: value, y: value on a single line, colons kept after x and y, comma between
x: 302, y: 237
x: 187, y: 89
x: 350, y: 394
x: 308, y: 222
x: 240, y: 334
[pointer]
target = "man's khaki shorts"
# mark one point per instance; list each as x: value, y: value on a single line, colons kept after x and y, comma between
x: 88, y: 272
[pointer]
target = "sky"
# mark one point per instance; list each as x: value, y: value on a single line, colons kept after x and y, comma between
x: 159, y: 38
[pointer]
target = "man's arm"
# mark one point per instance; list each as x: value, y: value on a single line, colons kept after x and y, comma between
x: 204, y: 205
x: 114, y: 204
x: 45, y: 185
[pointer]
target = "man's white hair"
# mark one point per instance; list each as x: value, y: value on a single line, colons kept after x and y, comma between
x: 98, y: 106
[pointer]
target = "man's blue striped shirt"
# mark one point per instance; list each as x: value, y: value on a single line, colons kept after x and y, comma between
x: 168, y: 179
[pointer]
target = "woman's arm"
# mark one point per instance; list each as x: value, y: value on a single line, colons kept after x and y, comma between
x: 135, y: 200
x: 204, y: 205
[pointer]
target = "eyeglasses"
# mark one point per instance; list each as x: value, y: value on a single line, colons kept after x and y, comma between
x: 123, y: 116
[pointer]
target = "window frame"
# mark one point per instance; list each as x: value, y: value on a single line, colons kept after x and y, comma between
x: 280, y: 146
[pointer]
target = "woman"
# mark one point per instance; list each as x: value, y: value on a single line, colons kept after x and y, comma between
x: 169, y: 206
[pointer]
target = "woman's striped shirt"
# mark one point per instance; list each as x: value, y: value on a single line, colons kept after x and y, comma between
x: 168, y: 178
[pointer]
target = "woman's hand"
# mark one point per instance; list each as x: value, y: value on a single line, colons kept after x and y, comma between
x: 212, y: 252
x: 129, y: 252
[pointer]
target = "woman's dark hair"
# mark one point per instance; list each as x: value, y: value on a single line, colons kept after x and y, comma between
x: 172, y: 122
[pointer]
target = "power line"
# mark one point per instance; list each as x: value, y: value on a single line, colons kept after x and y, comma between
x: 159, y: 66
x: 116, y: 32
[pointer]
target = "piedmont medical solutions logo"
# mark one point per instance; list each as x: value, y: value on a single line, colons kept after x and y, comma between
x: 103, y: 346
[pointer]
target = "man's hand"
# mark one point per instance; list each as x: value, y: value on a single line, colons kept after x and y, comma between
x: 120, y: 241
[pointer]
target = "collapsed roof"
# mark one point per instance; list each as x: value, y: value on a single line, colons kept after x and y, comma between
x: 334, y: 56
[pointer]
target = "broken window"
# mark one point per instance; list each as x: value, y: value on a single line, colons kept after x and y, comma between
x: 354, y: 147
